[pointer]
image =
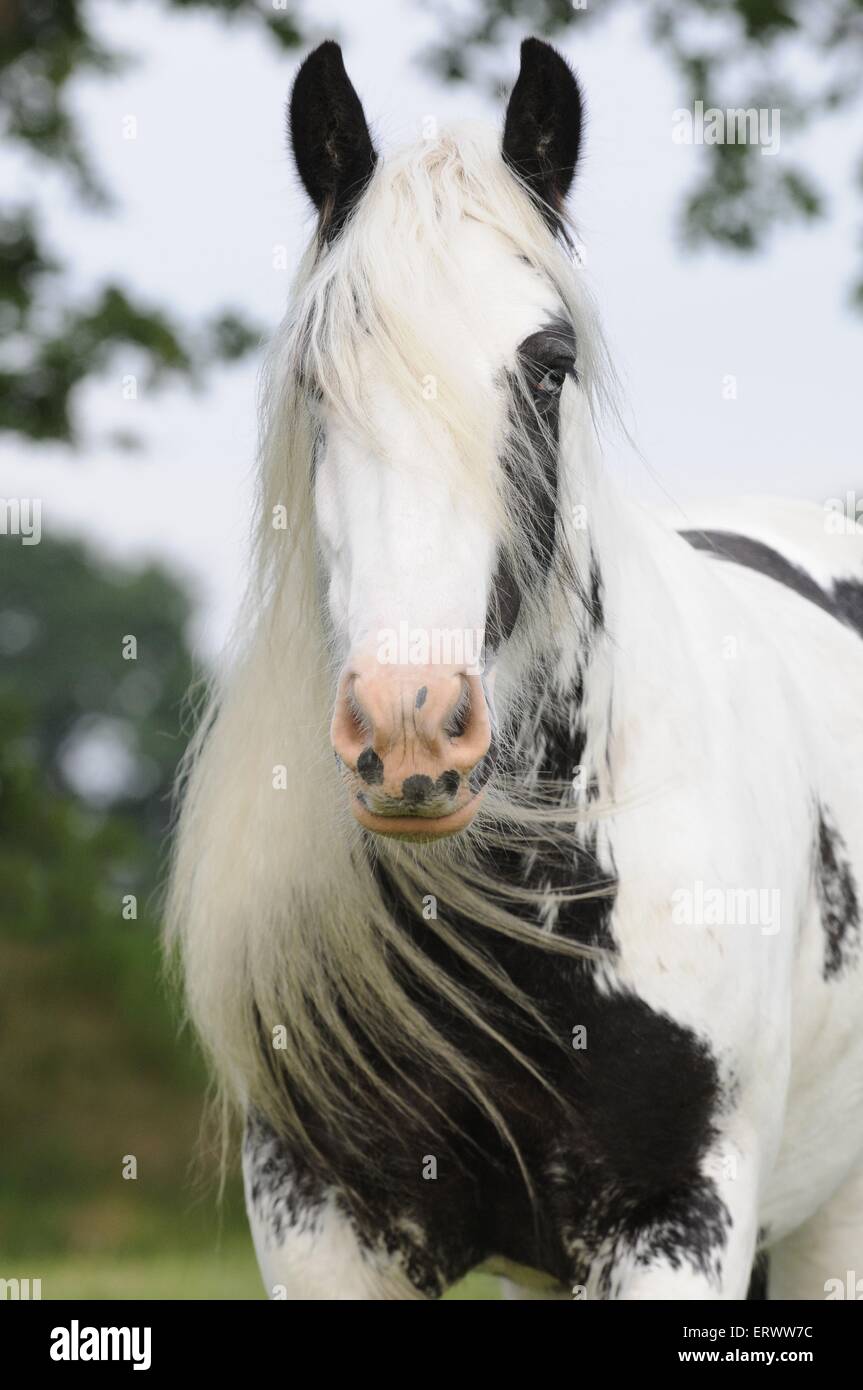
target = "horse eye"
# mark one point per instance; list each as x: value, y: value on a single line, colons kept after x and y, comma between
x: 551, y: 382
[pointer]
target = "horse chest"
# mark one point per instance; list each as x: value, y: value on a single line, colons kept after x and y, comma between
x: 610, y: 1139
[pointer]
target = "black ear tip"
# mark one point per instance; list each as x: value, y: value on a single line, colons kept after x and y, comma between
x: 327, y: 52
x: 542, y: 58
x: 324, y: 61
x: 534, y: 48
x: 549, y: 76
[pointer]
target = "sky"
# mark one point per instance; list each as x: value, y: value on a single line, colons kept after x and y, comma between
x: 206, y: 194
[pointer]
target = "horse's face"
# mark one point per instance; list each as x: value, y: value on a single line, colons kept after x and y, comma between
x: 421, y: 593
x: 417, y: 599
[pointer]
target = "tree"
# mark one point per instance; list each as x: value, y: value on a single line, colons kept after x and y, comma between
x: 98, y: 657
x: 96, y: 1069
x: 53, y: 340
x: 730, y: 53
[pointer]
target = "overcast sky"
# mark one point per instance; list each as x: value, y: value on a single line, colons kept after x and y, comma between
x: 206, y: 191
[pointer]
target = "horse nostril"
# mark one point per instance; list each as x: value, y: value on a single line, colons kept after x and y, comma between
x: 448, y: 782
x: 417, y: 789
x: 370, y: 767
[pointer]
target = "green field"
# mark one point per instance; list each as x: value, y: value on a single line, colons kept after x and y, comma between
x: 99, y: 1074
x: 229, y: 1272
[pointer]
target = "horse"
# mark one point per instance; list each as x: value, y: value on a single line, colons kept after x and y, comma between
x: 516, y: 881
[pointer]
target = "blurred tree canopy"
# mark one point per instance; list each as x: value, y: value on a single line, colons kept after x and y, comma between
x: 103, y: 724
x: 804, y: 57
x: 52, y: 339
x: 92, y: 1067
x: 91, y: 732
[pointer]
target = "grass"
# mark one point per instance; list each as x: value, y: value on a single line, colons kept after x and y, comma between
x: 100, y: 1076
x: 229, y: 1273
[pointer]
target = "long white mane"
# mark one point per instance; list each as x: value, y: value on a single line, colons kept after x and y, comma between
x: 276, y: 913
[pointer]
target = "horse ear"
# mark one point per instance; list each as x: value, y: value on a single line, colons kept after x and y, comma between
x: 330, y: 139
x: 542, y: 133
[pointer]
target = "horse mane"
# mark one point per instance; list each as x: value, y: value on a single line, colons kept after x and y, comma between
x: 276, y: 916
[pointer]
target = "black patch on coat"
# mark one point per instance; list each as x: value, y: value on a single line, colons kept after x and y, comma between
x: 614, y: 1146
x: 546, y: 355
x: 848, y: 597
x: 755, y: 555
x: 285, y: 1195
x: 330, y: 139
x: 759, y: 1278
x: 542, y: 131
x: 554, y: 744
x: 597, y: 607
x: 837, y: 898
x: 533, y: 481
x: 503, y: 608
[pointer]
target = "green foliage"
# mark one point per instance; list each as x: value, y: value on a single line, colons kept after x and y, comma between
x: 63, y: 621
x: 53, y: 341
x: 727, y: 53
x: 42, y: 47
x: 93, y: 1067
x: 63, y: 868
x: 739, y: 202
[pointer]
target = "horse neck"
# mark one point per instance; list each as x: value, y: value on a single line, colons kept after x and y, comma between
x: 613, y: 620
